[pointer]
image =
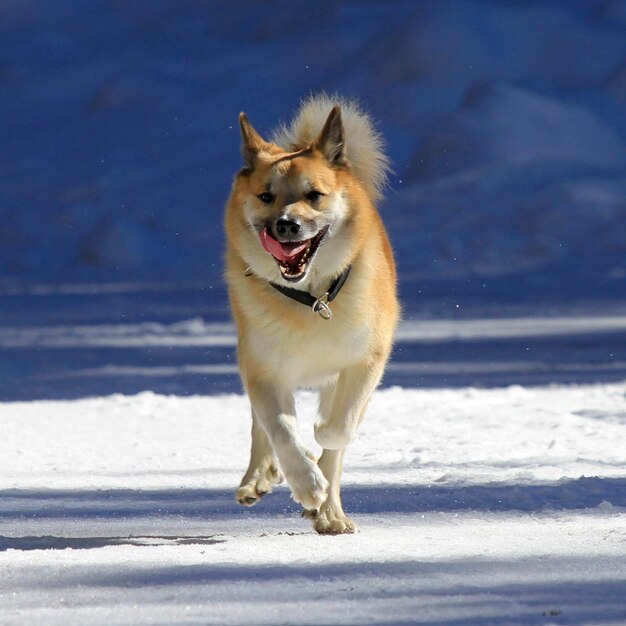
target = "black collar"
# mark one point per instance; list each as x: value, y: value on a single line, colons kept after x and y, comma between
x: 318, y: 305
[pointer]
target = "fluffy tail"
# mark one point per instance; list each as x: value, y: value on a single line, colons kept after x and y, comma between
x: 363, y: 144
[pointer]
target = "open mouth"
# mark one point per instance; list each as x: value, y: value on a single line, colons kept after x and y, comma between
x: 293, y: 257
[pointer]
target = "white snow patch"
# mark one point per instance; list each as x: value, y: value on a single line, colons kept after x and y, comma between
x: 493, y: 506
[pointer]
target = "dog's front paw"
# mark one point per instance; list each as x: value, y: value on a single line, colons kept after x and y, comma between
x: 259, y: 485
x: 308, y: 486
x: 331, y: 436
x: 329, y: 521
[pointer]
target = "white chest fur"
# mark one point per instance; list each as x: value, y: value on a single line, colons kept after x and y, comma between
x: 309, y: 354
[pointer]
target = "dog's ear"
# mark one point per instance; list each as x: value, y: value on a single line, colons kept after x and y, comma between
x: 253, y: 143
x: 330, y: 141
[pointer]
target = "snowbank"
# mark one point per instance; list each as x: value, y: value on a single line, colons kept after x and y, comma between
x: 505, y: 124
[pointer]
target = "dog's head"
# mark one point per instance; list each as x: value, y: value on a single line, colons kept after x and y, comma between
x: 292, y: 205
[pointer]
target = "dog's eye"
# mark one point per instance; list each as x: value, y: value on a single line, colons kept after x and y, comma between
x: 266, y: 197
x: 314, y: 195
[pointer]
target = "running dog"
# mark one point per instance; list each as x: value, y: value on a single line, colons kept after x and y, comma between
x: 312, y: 286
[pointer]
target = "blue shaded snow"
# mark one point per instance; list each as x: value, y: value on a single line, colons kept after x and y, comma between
x: 505, y: 123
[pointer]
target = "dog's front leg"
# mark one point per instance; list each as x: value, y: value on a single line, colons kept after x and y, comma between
x: 275, y: 410
x: 263, y: 472
x: 330, y: 518
x: 337, y: 424
x: 342, y: 406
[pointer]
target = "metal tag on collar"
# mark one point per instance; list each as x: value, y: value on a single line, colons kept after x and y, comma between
x: 321, y: 307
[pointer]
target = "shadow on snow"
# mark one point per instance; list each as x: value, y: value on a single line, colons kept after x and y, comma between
x: 70, y: 373
x: 564, y: 590
x: 474, y: 591
x: 209, y: 504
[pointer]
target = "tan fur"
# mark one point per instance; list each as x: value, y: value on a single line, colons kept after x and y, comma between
x: 282, y: 344
x: 365, y: 148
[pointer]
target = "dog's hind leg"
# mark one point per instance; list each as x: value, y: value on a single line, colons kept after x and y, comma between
x: 263, y: 471
x: 275, y: 410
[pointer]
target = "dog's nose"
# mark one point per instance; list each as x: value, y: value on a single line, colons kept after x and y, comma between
x: 287, y: 228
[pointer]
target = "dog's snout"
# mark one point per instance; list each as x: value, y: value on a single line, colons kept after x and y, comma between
x: 287, y: 228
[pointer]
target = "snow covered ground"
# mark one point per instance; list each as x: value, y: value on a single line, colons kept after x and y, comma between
x: 489, y: 478
x: 494, y: 504
x: 499, y: 506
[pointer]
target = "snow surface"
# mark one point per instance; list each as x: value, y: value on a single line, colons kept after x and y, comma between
x: 480, y: 506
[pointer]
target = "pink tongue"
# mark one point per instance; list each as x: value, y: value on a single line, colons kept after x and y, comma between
x: 281, y: 251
